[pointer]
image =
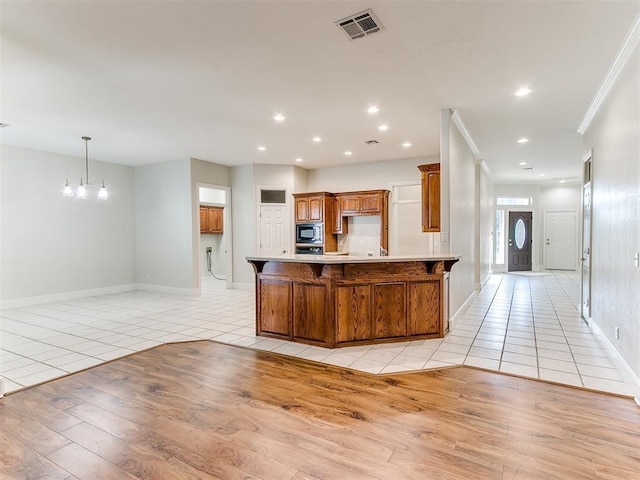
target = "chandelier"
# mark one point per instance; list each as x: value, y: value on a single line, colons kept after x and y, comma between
x: 81, y: 190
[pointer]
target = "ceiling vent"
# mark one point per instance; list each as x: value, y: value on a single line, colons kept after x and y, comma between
x: 371, y: 142
x: 360, y: 24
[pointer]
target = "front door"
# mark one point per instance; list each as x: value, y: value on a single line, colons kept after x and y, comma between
x: 519, y: 242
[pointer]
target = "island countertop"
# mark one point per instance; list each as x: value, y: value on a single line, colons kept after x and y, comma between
x: 340, y: 300
x: 339, y: 259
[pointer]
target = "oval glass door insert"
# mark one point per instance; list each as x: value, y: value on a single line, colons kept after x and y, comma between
x: 520, y: 234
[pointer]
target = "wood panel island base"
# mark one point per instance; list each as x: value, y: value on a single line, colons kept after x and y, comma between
x: 339, y: 301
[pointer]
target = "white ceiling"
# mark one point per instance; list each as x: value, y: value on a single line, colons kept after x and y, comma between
x: 156, y: 81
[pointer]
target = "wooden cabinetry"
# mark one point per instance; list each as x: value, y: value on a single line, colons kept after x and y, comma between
x: 211, y: 219
x: 363, y: 203
x: 430, y: 181
x: 366, y: 202
x: 313, y: 207
x: 337, y: 303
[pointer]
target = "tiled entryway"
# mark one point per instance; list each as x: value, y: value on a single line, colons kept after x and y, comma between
x: 524, y: 324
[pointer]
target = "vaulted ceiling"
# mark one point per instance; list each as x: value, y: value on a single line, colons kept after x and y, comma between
x: 155, y: 81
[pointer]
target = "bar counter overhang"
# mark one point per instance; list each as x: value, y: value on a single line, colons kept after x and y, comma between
x: 342, y: 300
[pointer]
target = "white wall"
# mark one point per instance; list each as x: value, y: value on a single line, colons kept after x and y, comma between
x: 165, y: 226
x: 485, y: 220
x: 243, y: 199
x: 367, y: 176
x: 462, y: 185
x: 53, y: 244
x: 614, y: 136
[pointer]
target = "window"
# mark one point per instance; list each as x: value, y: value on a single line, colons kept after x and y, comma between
x: 525, y: 201
x: 273, y: 196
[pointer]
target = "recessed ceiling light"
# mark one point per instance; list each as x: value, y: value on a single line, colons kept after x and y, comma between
x: 522, y: 163
x: 298, y: 159
x: 317, y: 139
x: 262, y: 148
x: 541, y: 175
x: 523, y: 140
x: 279, y: 117
x: 348, y: 153
x: 373, y: 109
x: 383, y: 127
x: 563, y: 181
x: 522, y: 92
x: 406, y: 144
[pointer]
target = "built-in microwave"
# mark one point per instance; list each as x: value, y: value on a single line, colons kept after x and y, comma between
x: 309, y: 233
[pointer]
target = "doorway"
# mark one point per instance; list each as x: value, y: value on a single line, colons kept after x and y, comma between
x: 519, y: 242
x: 215, y: 247
x: 275, y: 222
x: 586, y: 240
x: 560, y: 240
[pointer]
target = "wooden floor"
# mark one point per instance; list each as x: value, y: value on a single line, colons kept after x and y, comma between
x: 207, y: 410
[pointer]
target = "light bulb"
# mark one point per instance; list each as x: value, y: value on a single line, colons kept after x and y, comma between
x: 67, y: 191
x: 103, y: 194
x: 81, y: 192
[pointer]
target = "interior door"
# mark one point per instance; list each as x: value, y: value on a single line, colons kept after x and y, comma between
x: 586, y: 248
x: 560, y: 241
x: 274, y: 230
x: 519, y: 242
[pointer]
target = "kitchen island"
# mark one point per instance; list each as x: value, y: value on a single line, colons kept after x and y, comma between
x: 337, y: 301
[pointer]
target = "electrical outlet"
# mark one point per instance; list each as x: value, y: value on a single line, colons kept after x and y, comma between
x: 617, y: 333
x: 445, y: 236
x: 208, y: 249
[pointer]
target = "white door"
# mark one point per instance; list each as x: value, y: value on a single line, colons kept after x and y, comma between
x: 560, y: 241
x: 274, y: 230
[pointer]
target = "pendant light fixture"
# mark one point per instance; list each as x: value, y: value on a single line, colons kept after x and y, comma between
x: 81, y: 190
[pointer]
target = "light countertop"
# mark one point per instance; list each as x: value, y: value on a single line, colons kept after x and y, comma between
x: 337, y: 259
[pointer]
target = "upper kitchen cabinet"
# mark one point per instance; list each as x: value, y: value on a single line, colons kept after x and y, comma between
x: 430, y: 180
x: 211, y: 219
x: 313, y: 207
x: 370, y: 202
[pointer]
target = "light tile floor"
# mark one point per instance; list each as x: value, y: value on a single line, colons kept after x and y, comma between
x: 525, y: 325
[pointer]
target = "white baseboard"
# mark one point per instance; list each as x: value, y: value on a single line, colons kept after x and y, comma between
x: 604, y: 340
x: 61, y: 297
x: 243, y: 286
x: 453, y: 319
x: 148, y: 287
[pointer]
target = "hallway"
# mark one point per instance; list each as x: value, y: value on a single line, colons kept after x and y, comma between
x: 522, y: 324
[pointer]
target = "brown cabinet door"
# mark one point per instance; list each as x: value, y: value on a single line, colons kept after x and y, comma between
x: 370, y: 204
x: 350, y: 204
x: 215, y: 219
x: 339, y: 222
x: 275, y: 307
x: 302, y: 210
x: 430, y: 197
x: 316, y: 209
x: 353, y: 313
x: 204, y: 220
x: 389, y: 310
x: 423, y: 309
x: 310, y: 321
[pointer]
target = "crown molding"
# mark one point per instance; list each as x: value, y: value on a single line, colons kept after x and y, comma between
x: 455, y: 116
x: 629, y: 44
